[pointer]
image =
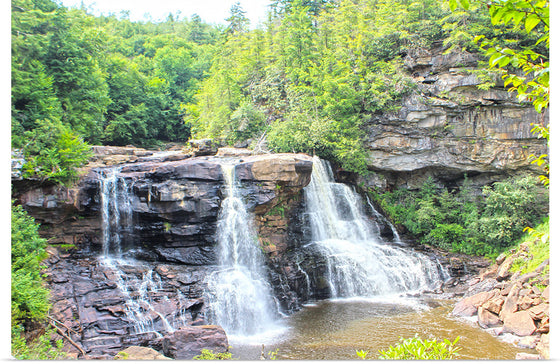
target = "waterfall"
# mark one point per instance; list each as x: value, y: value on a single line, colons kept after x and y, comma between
x: 359, y: 263
x: 138, y: 289
x: 239, y: 296
x: 116, y: 215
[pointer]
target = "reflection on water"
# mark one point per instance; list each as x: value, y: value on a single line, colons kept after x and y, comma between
x: 335, y: 329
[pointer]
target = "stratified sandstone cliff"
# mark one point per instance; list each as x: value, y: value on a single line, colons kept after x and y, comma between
x: 449, y: 127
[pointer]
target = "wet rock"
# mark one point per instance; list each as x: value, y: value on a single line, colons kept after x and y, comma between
x: 140, y: 353
x: 188, y: 342
x: 519, y: 323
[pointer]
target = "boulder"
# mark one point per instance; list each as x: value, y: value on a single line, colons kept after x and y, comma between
x: 519, y: 323
x: 487, y: 319
x: 546, y: 293
x: 201, y: 147
x: 494, y: 305
x: 503, y: 271
x: 188, y: 342
x: 140, y: 353
x: 510, y: 303
x: 544, y: 326
x: 469, y: 306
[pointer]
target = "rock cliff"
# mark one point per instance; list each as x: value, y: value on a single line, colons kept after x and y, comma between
x: 159, y: 212
x: 448, y: 127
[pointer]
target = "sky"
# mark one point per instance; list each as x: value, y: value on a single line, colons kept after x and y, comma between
x: 211, y: 11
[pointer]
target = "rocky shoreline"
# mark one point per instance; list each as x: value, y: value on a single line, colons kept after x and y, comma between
x: 502, y: 302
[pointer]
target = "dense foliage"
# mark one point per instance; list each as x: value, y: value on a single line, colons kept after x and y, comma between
x: 415, y: 348
x: 30, y: 299
x: 307, y: 80
x: 483, y: 222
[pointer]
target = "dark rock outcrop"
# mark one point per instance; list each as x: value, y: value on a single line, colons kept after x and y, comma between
x: 166, y: 213
x: 188, y: 342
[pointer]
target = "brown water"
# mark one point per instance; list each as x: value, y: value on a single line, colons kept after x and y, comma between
x: 334, y: 330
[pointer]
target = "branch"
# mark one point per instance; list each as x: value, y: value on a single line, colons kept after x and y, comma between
x: 75, y: 344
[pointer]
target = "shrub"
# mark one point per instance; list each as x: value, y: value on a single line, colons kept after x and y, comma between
x: 417, y: 349
x: 54, y: 152
x: 482, y: 222
x: 30, y: 299
x: 446, y: 236
x: 210, y: 355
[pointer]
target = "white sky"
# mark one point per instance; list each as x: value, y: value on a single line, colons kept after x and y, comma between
x: 211, y: 11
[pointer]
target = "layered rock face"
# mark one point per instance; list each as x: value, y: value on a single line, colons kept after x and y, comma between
x: 132, y: 244
x: 448, y: 127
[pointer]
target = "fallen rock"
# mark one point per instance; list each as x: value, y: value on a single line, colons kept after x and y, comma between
x: 519, y: 323
x: 494, y: 305
x: 140, y: 353
x: 503, y: 271
x: 544, y: 326
x: 469, y: 306
x: 188, y: 342
x: 510, y: 304
x: 546, y: 293
x: 526, y: 302
x: 538, y: 312
x: 487, y: 319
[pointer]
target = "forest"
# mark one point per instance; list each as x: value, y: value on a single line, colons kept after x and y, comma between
x: 308, y: 79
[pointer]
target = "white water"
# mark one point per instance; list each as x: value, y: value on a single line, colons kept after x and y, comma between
x: 116, y: 215
x: 239, y: 296
x: 359, y: 262
x: 139, y: 291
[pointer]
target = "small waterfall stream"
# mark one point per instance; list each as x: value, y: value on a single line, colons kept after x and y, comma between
x: 239, y: 296
x: 359, y: 262
x: 138, y: 289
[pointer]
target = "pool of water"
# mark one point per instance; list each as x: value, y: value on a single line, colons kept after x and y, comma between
x: 335, y: 329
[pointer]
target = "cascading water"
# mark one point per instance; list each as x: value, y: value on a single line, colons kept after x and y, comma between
x: 138, y: 289
x: 359, y: 263
x: 115, y: 211
x: 239, y: 296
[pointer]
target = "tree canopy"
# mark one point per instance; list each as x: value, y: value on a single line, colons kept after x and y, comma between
x: 307, y: 80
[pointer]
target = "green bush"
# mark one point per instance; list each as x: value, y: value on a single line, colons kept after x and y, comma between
x: 54, y: 152
x: 417, y: 349
x: 30, y: 299
x: 446, y: 236
x: 210, y: 355
x: 480, y: 222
